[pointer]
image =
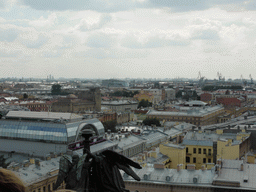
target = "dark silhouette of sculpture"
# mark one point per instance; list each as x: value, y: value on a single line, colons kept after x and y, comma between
x: 95, y: 173
x: 67, y: 172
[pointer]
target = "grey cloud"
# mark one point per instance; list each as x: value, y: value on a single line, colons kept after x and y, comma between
x: 180, y: 5
x: 96, y: 53
x: 8, y: 35
x: 152, y: 42
x: 251, y: 5
x: 121, y: 5
x: 101, y: 40
x: 96, y: 5
x: 113, y: 53
x: 206, y: 35
x: 52, y: 54
x: 41, y: 40
x: 84, y: 26
x: 2, y: 3
x: 5, y: 53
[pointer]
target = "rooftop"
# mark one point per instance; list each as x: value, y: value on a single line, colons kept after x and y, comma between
x: 173, y: 176
x: 41, y: 115
x: 197, y: 112
x: 231, y: 171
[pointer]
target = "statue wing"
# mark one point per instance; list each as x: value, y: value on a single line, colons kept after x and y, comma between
x: 80, y: 166
x: 122, y: 163
x: 64, y: 167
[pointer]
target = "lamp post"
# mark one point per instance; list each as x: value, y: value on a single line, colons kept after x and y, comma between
x: 86, y: 134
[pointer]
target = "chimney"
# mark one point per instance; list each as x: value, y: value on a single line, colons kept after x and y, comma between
x: 179, y: 166
x: 37, y: 163
x: 16, y: 167
x: 159, y: 166
x: 191, y: 167
x: 48, y: 157
x: 219, y: 162
x: 32, y: 160
x: 26, y: 163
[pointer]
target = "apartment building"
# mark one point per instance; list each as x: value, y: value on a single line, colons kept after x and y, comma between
x: 198, y: 116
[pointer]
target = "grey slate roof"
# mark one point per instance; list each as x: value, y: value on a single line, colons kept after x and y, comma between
x: 182, y: 177
x: 42, y: 115
x: 197, y: 142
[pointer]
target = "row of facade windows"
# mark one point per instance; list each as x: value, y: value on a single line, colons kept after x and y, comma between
x: 194, y: 160
x: 200, y: 151
x: 43, y: 189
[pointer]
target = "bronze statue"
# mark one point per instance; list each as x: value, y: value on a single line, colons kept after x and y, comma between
x: 67, y: 172
x: 97, y: 173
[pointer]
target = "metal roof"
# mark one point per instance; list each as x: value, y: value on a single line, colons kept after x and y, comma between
x: 197, y: 142
x: 42, y: 115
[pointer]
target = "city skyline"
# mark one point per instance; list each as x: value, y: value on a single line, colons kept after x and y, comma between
x: 127, y: 39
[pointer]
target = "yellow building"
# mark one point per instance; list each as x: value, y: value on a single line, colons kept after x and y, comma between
x: 199, y: 153
x: 176, y: 153
x: 251, y: 158
x: 145, y: 96
x: 204, y: 148
x: 233, y: 147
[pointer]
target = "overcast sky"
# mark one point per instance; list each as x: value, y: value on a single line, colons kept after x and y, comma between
x: 127, y: 38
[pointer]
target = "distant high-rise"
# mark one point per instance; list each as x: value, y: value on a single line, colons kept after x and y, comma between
x: 114, y: 83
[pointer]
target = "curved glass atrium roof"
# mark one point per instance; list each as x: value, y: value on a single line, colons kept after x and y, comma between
x: 45, y: 131
x: 51, y: 132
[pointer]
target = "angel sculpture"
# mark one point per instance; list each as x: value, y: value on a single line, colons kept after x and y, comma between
x: 98, y: 173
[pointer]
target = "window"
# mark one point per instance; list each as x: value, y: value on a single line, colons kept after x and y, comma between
x: 194, y: 160
x: 186, y: 150
x: 44, y: 189
x: 209, y: 160
x: 204, y: 151
x: 187, y: 159
x: 204, y: 160
x: 210, y: 151
x: 194, y: 149
x: 199, y: 150
x: 39, y: 190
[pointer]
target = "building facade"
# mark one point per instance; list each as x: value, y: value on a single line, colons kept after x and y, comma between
x: 200, y: 116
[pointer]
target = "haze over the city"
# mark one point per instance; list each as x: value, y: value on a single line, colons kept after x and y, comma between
x: 120, y: 38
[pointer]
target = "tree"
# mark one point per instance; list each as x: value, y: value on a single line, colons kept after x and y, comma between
x: 179, y: 94
x: 25, y: 96
x: 56, y: 89
x: 151, y: 121
x: 110, y: 125
x: 144, y: 103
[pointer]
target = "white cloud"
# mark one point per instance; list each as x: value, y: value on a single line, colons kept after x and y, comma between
x: 101, y: 40
x: 33, y: 39
x: 92, y: 23
x: 2, y: 20
x: 42, y: 22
